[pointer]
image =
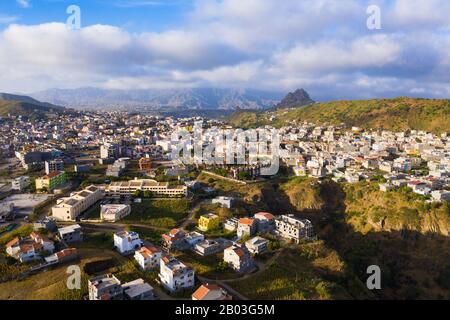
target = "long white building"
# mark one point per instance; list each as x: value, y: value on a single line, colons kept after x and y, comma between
x: 69, y: 208
x: 156, y: 188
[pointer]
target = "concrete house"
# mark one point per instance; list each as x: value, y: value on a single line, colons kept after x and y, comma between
x: 208, y: 221
x: 105, y: 287
x: 138, y: 290
x: 238, y: 257
x: 246, y: 226
x: 175, y: 275
x: 127, y: 241
x: 148, y: 257
x: 265, y: 222
x: 290, y: 227
x: 71, y: 233
x: 257, y: 245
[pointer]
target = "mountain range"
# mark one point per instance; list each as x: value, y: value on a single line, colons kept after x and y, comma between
x: 161, y: 100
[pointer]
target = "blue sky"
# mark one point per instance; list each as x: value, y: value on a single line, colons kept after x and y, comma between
x: 323, y: 46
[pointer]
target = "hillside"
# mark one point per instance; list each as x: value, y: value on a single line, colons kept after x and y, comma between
x: 392, y: 114
x: 26, y: 106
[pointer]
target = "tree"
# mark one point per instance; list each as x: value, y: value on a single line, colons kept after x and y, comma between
x: 148, y: 194
x: 138, y: 193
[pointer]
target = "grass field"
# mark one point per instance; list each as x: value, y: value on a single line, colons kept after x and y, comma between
x: 307, y: 271
x: 158, y: 213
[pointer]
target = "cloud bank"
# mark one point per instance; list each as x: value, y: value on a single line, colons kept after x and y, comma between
x: 321, y: 45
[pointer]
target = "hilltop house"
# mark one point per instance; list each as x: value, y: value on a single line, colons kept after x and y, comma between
x: 265, y: 222
x: 257, y: 245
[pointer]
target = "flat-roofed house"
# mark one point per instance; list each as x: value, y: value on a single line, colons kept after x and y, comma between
x: 175, y: 275
x: 127, y: 241
x: 69, y: 208
x: 114, y: 212
x: 290, y: 227
x: 105, y: 287
x: 257, y: 245
x: 138, y: 290
x: 71, y: 233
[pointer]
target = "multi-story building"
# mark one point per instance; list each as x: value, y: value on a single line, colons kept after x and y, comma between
x: 109, y: 150
x: 224, y: 202
x: 69, y: 208
x: 290, y: 227
x: 175, y: 275
x: 127, y: 241
x: 148, y: 257
x: 105, y: 287
x: 20, y: 183
x: 114, y: 212
x: 145, y: 164
x: 257, y: 245
x: 246, y: 227
x: 265, y: 221
x: 71, y: 233
x: 158, y: 189
x: 54, y: 165
x: 208, y: 221
x: 51, y: 181
x: 238, y: 257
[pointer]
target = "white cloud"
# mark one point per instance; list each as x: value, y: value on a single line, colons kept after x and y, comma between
x: 322, y: 45
x: 24, y: 3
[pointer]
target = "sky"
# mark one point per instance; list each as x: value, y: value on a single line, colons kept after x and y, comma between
x: 324, y: 46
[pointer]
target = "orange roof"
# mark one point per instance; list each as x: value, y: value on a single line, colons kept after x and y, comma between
x: 204, y: 289
x: 267, y: 215
x: 12, y: 242
x: 52, y: 175
x: 66, y: 252
x: 248, y: 221
x: 148, y: 251
x: 173, y: 232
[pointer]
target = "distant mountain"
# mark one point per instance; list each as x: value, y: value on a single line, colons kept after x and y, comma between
x: 18, y: 105
x: 396, y: 114
x: 298, y: 98
x: 166, y: 99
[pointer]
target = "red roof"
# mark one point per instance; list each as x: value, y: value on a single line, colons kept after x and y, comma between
x: 248, y: 221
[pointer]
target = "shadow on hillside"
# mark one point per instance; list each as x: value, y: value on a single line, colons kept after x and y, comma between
x: 413, y: 265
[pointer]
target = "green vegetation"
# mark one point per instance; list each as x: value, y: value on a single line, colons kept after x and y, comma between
x: 393, y: 114
x: 158, y: 213
x: 22, y: 231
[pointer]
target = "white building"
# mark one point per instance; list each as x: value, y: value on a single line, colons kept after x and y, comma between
x: 54, y: 166
x: 127, y: 241
x: 20, y: 183
x: 175, y: 275
x: 224, y: 202
x: 114, y: 212
x: 69, y: 208
x: 290, y: 227
x: 148, y: 257
x: 119, y: 188
x: 138, y: 290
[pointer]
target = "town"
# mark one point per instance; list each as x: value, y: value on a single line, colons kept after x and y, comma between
x: 103, y: 190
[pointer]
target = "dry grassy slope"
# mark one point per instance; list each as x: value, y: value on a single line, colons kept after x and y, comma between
x: 392, y: 114
x: 17, y: 108
x: 368, y: 208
